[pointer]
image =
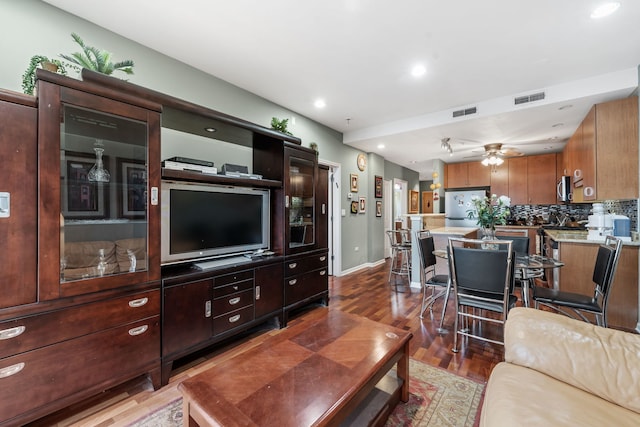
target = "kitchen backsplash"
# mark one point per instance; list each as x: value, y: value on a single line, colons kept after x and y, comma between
x: 579, y: 211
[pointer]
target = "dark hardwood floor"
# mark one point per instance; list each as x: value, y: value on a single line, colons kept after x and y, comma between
x: 366, y: 293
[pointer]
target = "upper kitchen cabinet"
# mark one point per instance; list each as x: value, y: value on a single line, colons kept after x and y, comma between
x: 468, y: 174
x: 99, y: 174
x: 541, y: 179
x: 526, y: 180
x: 603, y: 152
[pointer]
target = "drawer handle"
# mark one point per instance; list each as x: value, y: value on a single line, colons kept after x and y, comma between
x: 11, y: 332
x: 322, y: 258
x: 323, y: 272
x: 207, y: 308
x: 293, y: 282
x: 139, y: 330
x: 11, y: 370
x: 138, y: 302
x: 234, y: 319
x: 258, y: 292
x: 293, y: 265
x: 235, y: 288
x: 234, y: 301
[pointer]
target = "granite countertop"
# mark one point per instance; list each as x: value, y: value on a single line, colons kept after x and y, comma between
x: 569, y: 236
x: 454, y: 231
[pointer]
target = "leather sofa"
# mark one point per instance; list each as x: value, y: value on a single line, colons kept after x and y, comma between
x: 563, y: 372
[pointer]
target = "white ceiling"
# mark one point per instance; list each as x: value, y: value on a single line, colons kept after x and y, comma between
x: 357, y: 56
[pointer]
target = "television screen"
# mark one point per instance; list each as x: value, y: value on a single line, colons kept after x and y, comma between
x: 201, y: 221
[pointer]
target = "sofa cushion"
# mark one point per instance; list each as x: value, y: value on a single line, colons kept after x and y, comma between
x: 138, y: 246
x: 82, y: 258
x: 519, y: 396
x: 601, y: 361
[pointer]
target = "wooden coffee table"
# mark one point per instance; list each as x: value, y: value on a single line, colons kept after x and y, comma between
x: 336, y: 370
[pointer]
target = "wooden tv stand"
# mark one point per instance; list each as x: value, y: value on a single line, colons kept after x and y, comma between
x: 330, y: 371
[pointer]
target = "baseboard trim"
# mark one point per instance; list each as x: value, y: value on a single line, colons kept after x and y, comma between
x: 361, y: 267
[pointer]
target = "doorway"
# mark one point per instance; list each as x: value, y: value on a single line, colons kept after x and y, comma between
x: 400, y: 200
x: 334, y: 220
x: 427, y: 202
x: 387, y: 215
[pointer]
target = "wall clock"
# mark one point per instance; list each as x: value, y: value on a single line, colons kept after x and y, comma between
x: 362, y: 161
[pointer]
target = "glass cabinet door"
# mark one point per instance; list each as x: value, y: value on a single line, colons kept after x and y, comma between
x: 301, y: 196
x: 103, y: 194
x: 99, y: 171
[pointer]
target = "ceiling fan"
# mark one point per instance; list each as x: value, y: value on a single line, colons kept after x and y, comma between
x: 494, y: 154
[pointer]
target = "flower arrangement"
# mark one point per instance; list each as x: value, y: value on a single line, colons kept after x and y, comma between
x: 490, y: 211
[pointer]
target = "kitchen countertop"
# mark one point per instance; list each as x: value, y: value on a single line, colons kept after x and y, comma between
x: 455, y: 231
x: 569, y: 236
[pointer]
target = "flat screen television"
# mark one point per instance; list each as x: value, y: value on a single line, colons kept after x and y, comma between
x: 202, y: 221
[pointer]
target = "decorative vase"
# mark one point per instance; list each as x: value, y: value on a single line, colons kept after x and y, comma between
x: 489, y: 233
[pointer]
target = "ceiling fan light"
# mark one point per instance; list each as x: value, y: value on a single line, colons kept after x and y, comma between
x: 499, y: 161
x: 485, y: 161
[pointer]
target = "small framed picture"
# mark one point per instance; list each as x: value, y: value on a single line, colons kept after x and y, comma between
x: 354, y: 183
x: 363, y: 204
x: 414, y: 202
x: 378, y: 187
x: 354, y: 207
x: 378, y: 208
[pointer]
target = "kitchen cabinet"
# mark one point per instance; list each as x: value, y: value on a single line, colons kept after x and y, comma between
x: 518, y: 181
x: 526, y: 180
x: 500, y: 179
x: 541, y: 179
x: 468, y: 174
x: 603, y: 152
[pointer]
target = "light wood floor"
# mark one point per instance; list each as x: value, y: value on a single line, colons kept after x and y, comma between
x: 365, y: 293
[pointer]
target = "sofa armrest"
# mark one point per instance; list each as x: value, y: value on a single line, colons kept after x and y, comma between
x: 601, y: 361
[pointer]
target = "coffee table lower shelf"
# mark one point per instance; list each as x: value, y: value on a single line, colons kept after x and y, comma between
x: 376, y: 408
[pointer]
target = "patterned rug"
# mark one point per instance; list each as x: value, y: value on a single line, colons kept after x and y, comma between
x: 437, y: 398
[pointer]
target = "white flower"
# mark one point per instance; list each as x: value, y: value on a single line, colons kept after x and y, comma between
x: 505, y: 200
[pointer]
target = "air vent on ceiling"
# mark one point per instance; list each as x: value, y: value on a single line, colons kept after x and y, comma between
x: 529, y: 98
x: 465, y: 112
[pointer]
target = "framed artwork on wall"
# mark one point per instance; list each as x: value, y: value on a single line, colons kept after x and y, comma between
x: 378, y: 187
x: 354, y: 207
x: 363, y: 204
x: 354, y: 182
x: 414, y: 202
x: 378, y: 208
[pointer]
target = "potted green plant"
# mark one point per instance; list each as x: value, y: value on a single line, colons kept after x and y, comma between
x: 96, y: 59
x: 29, y: 76
x: 280, y: 125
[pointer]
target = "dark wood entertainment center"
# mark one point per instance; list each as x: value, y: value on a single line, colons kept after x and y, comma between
x: 87, y: 303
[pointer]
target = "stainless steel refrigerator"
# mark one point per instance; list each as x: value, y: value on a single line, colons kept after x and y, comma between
x: 457, y: 204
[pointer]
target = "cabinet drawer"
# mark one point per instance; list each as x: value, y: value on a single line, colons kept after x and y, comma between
x: 233, y: 288
x: 232, y: 302
x: 233, y: 277
x: 28, y: 333
x: 304, y: 286
x: 232, y: 320
x: 302, y: 265
x: 30, y: 380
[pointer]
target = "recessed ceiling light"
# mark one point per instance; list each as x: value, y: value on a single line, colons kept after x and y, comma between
x: 320, y: 103
x: 210, y: 129
x: 380, y: 146
x: 418, y: 70
x: 605, y: 10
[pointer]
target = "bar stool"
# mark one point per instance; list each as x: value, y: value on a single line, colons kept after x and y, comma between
x: 400, y: 255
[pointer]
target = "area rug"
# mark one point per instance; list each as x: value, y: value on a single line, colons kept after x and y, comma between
x: 437, y: 398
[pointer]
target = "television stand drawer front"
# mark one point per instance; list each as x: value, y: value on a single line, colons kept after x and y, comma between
x: 305, y: 264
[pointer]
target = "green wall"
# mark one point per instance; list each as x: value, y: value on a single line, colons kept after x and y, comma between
x: 49, y: 33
